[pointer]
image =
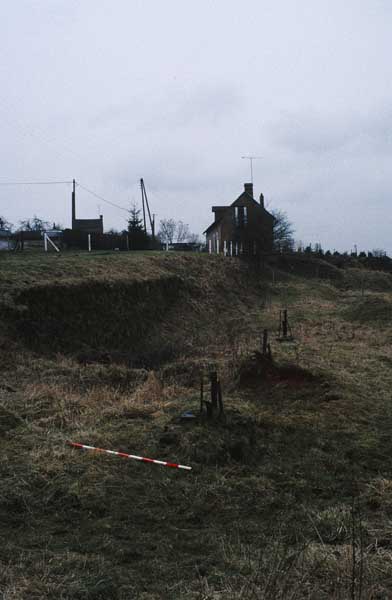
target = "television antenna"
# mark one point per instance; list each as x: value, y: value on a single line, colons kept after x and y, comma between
x: 251, y: 159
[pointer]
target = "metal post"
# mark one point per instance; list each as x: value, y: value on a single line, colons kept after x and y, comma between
x: 45, y: 242
x: 89, y: 242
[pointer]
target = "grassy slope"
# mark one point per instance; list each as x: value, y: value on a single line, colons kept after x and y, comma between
x: 268, y: 509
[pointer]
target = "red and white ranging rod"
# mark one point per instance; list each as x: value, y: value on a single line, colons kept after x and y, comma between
x: 124, y: 455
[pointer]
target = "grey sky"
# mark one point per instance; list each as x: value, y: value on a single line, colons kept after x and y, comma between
x: 176, y: 91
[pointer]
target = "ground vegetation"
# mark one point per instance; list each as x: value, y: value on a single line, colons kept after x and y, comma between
x: 290, y: 495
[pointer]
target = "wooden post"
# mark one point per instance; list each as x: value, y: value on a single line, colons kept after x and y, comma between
x: 73, y: 204
x: 201, y: 391
x: 210, y: 246
x: 216, y: 393
x: 284, y: 324
x: 265, y: 342
x: 213, y: 390
x: 215, y: 403
x: 51, y: 242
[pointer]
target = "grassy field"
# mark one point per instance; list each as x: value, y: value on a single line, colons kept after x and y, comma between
x: 290, y: 495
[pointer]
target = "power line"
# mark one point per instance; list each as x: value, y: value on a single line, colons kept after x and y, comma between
x: 102, y: 198
x: 33, y: 182
x: 5, y: 183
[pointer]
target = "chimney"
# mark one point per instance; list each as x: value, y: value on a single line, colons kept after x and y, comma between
x: 261, y: 200
x: 248, y: 187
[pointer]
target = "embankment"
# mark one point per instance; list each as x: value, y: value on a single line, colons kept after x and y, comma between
x: 172, y: 307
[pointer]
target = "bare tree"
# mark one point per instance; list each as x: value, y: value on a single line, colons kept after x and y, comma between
x: 283, y: 231
x: 170, y: 230
x: 34, y: 224
x: 167, y: 230
x: 379, y: 253
x: 182, y: 232
x: 4, y: 224
x: 194, y: 238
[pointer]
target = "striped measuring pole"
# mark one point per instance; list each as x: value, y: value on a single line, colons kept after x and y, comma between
x: 125, y: 455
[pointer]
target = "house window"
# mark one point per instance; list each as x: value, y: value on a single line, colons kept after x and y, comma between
x: 240, y: 216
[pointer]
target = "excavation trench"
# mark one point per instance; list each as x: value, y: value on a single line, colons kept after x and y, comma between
x: 96, y: 320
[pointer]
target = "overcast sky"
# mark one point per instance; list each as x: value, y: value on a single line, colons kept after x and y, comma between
x: 176, y: 91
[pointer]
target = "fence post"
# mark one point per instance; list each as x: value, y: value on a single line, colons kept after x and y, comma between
x: 89, y: 242
x: 231, y: 248
x: 209, y: 247
x: 224, y: 248
x: 45, y: 242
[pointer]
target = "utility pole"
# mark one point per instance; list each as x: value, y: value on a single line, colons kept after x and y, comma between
x: 251, y: 159
x: 144, y: 209
x: 147, y: 206
x: 73, y: 203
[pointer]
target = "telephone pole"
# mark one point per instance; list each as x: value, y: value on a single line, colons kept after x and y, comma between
x: 251, y: 159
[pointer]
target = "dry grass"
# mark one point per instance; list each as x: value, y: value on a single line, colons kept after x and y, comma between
x: 267, y: 511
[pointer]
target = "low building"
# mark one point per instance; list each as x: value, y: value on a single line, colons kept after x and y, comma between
x: 243, y: 227
x: 88, y: 225
x: 84, y: 225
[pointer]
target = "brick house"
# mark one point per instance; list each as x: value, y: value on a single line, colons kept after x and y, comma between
x: 244, y: 227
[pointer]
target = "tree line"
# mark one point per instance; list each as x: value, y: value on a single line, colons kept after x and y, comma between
x: 171, y: 231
